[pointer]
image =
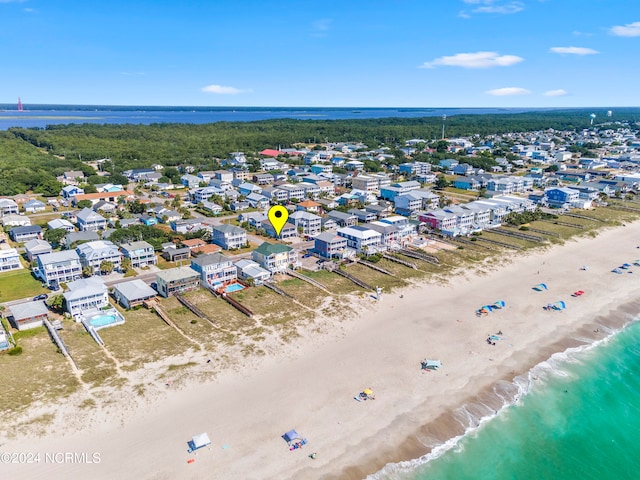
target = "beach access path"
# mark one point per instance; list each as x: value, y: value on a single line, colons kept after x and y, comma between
x: 310, y: 384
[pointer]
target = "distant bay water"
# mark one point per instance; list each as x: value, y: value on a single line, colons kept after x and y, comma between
x: 42, y: 115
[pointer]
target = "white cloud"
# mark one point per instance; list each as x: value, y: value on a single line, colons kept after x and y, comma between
x: 508, y: 91
x: 578, y: 33
x: 221, y: 90
x: 574, y: 50
x: 474, y: 60
x: 494, y: 6
x: 628, y: 30
x: 560, y: 92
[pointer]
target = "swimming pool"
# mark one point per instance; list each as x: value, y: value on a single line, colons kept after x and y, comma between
x: 106, y: 319
x: 234, y: 287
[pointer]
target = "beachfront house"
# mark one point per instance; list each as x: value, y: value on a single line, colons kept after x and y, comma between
x: 177, y: 280
x: 28, y: 315
x: 215, y: 269
x: 36, y: 247
x: 92, y: 254
x: 249, y: 270
x: 58, y: 267
x: 9, y: 260
x: 440, y: 220
x: 229, y: 236
x: 362, y: 239
x: 275, y: 257
x: 186, y: 226
x: 562, y: 197
x: 140, y: 253
x: 85, y: 294
x: 329, y: 245
x: 133, y: 293
x: 88, y: 220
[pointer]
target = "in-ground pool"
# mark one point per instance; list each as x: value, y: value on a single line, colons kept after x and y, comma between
x: 106, y: 319
x: 234, y: 287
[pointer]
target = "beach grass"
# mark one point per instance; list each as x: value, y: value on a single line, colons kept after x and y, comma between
x: 19, y: 284
x: 97, y: 369
x: 375, y: 278
x: 199, y: 329
x: 40, y: 374
x: 224, y: 315
x: 334, y: 282
x: 303, y: 292
x: 143, y: 338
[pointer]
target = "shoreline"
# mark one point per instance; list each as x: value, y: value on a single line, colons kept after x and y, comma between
x: 310, y: 385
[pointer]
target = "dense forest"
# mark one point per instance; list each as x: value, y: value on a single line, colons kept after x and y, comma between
x: 31, y: 158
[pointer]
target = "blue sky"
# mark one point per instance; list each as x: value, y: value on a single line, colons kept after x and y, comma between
x: 352, y: 53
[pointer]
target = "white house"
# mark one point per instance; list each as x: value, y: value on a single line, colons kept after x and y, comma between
x: 84, y: 295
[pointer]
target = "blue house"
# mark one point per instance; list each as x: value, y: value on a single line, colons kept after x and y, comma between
x: 148, y: 220
x: 448, y: 163
x: 466, y: 183
x: 561, y: 197
x: 70, y: 191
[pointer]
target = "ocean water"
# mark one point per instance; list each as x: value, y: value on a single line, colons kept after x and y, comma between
x: 42, y: 115
x: 579, y: 420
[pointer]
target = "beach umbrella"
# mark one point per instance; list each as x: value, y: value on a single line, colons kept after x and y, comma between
x: 368, y: 391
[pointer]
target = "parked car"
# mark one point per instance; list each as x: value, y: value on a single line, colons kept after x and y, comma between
x: 40, y: 297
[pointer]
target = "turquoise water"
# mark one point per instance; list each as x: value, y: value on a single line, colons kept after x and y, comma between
x: 580, y: 420
x: 102, y: 320
x: 234, y: 287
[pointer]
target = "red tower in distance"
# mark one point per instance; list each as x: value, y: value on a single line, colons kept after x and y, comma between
x: 20, y: 109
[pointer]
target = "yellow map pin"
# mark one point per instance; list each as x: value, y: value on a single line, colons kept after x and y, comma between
x: 278, y: 216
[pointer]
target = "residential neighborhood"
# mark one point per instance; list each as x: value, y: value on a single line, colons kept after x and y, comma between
x: 210, y: 230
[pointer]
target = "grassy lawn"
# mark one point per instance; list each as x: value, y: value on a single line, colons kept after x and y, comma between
x: 526, y: 244
x: 19, y: 284
x: 97, y: 368
x: 252, y: 246
x: 40, y: 373
x: 143, y: 338
x: 609, y: 215
x: 460, y: 191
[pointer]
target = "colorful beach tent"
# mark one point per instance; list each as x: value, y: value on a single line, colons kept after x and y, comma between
x: 559, y: 305
x: 499, y: 304
x: 368, y: 391
x: 540, y: 287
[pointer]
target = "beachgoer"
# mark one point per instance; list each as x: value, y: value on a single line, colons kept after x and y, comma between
x: 313, y: 456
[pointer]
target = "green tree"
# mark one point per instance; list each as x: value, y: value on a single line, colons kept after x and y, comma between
x: 126, y: 265
x: 55, y: 236
x: 89, y: 188
x: 137, y: 207
x: 56, y: 303
x: 106, y: 267
x: 84, y: 204
x: 441, y: 183
x: 87, y: 271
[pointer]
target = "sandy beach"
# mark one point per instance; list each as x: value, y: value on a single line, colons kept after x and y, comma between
x: 311, y: 383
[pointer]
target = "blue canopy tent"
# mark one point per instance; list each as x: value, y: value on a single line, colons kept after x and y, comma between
x: 540, y: 287
x: 559, y: 305
x: 294, y: 439
x: 499, y: 304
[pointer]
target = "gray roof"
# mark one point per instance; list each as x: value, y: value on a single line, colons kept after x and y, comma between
x: 210, y: 259
x: 79, y: 236
x: 62, y: 256
x: 29, y: 309
x: 135, y: 290
x: 177, y: 273
x: 136, y: 245
x: 35, y: 245
x: 59, y: 223
x: 87, y: 214
x: 328, y: 237
x: 228, y: 228
x: 84, y: 287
